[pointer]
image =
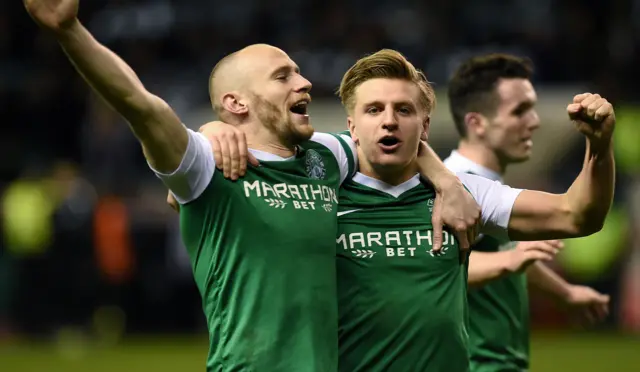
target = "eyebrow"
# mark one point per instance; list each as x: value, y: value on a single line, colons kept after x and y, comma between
x: 285, y: 69
x: 399, y: 103
x: 523, y: 105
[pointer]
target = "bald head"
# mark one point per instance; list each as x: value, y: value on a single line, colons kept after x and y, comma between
x: 235, y: 71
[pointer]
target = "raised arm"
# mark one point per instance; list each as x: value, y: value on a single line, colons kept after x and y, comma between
x: 163, y: 137
x: 583, y: 208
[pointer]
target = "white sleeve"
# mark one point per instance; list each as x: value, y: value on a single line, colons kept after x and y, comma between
x: 343, y: 149
x: 195, y: 171
x: 496, y: 201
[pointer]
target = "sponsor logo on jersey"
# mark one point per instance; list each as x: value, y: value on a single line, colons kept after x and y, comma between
x: 408, y: 243
x: 300, y: 196
x: 342, y: 213
x: 314, y: 165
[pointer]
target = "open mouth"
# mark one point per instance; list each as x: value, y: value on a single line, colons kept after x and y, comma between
x: 300, y: 107
x: 389, y: 143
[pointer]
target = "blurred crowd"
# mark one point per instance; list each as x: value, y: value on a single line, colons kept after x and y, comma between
x: 84, y: 222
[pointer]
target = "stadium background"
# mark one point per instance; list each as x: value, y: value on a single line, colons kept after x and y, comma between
x: 92, y: 273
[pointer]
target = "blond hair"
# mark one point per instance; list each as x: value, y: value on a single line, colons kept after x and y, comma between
x: 384, y: 64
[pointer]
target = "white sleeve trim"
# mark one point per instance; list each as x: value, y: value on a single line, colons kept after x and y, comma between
x: 496, y: 202
x: 338, y: 151
x: 195, y: 171
x: 354, y: 151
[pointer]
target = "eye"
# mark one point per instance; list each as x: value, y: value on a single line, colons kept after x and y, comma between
x: 372, y: 110
x: 405, y: 110
x: 282, y: 77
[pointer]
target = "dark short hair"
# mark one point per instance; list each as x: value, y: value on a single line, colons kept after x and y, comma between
x: 472, y: 87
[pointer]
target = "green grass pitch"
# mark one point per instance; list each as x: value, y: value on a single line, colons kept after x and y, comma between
x: 577, y: 352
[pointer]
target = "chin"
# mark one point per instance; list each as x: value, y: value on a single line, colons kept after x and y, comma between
x: 300, y: 134
x: 391, y: 161
x: 305, y: 132
x: 520, y: 158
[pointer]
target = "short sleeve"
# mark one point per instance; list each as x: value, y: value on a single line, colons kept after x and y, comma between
x: 195, y: 171
x: 496, y: 202
x: 343, y: 149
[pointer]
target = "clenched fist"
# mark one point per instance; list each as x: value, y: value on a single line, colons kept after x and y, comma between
x: 593, y: 117
x: 54, y: 15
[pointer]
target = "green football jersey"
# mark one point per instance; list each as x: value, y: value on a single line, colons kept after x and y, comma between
x: 401, y: 306
x: 498, y: 311
x: 263, y: 255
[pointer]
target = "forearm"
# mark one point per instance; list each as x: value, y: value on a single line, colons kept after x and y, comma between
x: 487, y: 266
x: 154, y: 123
x: 590, y: 196
x: 547, y: 281
x: 105, y: 72
x: 578, y: 212
x: 433, y: 169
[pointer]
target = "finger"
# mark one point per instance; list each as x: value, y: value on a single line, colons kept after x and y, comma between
x: 533, y: 255
x: 595, y: 314
x: 559, y: 244
x: 471, y: 235
x: 252, y: 160
x: 605, y: 309
x: 574, y: 108
x: 217, y: 151
x: 603, y: 111
x: 543, y: 247
x: 462, y: 256
x: 589, y: 100
x: 226, y: 158
x: 588, y: 316
x: 242, y: 152
x: 556, y: 245
x: 600, y: 311
x: 173, y: 203
x: 463, y: 241
x: 548, y: 247
x: 436, y: 221
x: 234, y: 155
x: 594, y: 106
x: 580, y: 97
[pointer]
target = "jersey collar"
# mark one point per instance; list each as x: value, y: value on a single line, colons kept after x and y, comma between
x: 394, y: 191
x: 267, y: 156
x: 473, y: 167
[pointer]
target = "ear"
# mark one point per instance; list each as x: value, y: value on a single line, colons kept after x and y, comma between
x: 352, y: 129
x: 476, y: 124
x: 424, y: 134
x: 234, y: 103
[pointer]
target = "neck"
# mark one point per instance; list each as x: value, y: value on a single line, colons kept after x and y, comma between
x: 480, y: 154
x: 391, y: 175
x: 259, y: 138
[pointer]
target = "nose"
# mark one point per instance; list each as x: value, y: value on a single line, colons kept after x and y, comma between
x: 389, y: 120
x: 303, y: 85
x: 535, y: 121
